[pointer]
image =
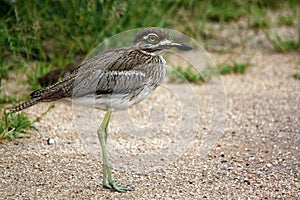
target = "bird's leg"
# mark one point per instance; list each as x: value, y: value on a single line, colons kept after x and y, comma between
x: 102, y: 134
x: 108, y: 180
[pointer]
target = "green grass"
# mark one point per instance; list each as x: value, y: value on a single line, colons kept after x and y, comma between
x: 179, y: 75
x: 188, y: 74
x: 283, y: 43
x: 8, y: 99
x: 39, y: 70
x: 286, y: 20
x: 258, y: 17
x: 224, y: 11
x: 14, y: 125
x: 55, y: 32
x: 52, y: 31
x: 44, y: 30
x: 297, y: 75
x: 233, y: 67
x: 3, y: 71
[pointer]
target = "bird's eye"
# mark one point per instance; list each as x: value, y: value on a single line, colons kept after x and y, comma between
x: 152, y: 38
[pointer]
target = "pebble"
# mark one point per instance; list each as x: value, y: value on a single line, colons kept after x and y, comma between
x: 50, y: 141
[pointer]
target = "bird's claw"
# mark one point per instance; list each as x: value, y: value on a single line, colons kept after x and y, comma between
x: 116, y: 187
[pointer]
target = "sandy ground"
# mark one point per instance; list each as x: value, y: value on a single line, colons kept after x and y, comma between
x: 255, y: 157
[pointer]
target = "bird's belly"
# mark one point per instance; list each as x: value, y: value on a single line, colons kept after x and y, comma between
x: 113, y: 102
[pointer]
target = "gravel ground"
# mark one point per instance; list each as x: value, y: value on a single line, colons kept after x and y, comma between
x: 256, y: 156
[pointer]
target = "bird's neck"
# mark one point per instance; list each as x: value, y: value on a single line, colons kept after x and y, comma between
x: 154, y: 53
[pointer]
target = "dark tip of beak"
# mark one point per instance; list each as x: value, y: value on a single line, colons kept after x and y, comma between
x: 184, y: 47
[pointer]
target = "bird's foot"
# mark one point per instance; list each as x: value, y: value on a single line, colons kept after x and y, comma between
x: 109, y: 182
x: 113, y: 186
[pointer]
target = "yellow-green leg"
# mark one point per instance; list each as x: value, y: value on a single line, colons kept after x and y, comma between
x: 108, y: 180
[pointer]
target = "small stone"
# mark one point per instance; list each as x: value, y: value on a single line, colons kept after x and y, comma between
x: 50, y: 141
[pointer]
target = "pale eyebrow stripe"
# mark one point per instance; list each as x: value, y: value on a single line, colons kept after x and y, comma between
x: 145, y: 37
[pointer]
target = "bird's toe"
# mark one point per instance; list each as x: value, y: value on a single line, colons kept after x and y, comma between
x: 122, y: 188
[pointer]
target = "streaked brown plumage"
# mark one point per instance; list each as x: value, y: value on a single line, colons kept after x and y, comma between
x: 113, y: 80
x: 105, y: 75
x: 125, y: 71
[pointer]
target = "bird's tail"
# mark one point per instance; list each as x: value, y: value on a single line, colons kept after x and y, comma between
x: 25, y: 104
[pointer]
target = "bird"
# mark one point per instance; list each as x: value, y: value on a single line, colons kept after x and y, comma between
x: 114, y: 80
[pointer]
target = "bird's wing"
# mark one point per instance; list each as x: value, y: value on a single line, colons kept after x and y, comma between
x: 107, y: 73
x: 102, y: 82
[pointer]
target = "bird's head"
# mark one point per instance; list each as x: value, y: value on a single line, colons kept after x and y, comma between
x: 156, y: 41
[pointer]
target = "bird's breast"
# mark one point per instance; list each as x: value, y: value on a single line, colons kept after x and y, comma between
x: 129, y: 87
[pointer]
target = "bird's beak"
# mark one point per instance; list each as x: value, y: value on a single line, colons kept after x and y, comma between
x: 182, y: 47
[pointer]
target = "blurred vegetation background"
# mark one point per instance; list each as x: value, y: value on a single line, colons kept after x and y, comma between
x: 38, y: 36
x: 47, y: 30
